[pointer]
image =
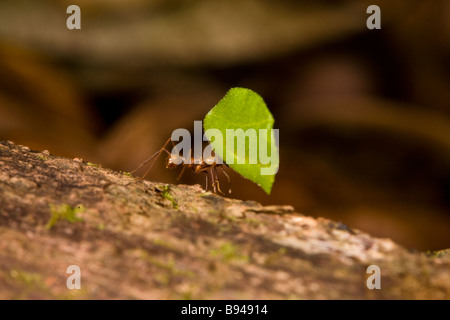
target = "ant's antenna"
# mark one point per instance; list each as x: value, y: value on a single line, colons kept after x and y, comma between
x: 157, y: 154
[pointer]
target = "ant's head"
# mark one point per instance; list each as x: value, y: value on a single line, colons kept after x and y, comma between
x: 174, y: 161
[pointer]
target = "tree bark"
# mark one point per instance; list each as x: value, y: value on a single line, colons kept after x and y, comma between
x: 137, y: 239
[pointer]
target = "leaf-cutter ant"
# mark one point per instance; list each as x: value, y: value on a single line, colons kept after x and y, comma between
x: 210, y: 166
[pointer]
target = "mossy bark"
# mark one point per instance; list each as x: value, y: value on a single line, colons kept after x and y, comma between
x: 146, y: 240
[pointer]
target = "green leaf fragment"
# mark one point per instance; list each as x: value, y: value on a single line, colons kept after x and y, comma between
x: 244, y: 109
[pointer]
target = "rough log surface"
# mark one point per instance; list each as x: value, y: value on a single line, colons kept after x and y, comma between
x: 137, y: 239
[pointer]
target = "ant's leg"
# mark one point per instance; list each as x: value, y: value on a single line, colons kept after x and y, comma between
x: 228, y: 178
x: 198, y: 169
x: 214, y: 175
x: 211, y: 172
x: 157, y: 154
x: 181, y: 173
x: 217, y: 179
x: 208, y: 170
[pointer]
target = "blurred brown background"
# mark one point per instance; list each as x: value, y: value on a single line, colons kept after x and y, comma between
x: 364, y: 115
